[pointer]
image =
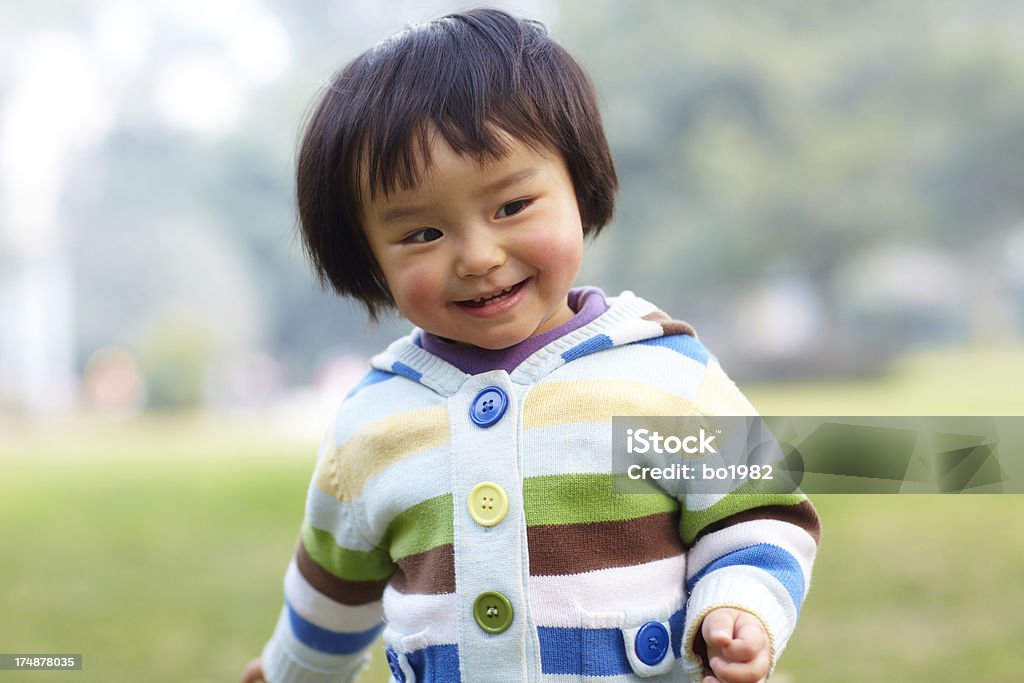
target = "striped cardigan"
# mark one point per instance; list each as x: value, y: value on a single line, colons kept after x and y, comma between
x: 388, y: 542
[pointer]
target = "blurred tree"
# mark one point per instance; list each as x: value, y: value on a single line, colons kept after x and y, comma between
x: 757, y: 138
x: 168, y: 218
x: 176, y: 352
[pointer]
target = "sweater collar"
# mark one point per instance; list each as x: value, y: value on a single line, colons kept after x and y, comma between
x: 586, y: 303
x: 628, y: 319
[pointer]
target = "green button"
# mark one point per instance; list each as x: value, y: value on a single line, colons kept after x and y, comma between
x: 493, y: 612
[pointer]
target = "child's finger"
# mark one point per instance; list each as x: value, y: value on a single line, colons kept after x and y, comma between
x: 253, y: 672
x: 740, y: 650
x: 749, y: 630
x: 752, y: 671
x: 718, y: 626
x: 734, y: 672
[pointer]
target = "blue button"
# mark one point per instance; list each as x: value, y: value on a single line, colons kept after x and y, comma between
x: 488, y: 406
x: 652, y: 643
x: 396, y: 668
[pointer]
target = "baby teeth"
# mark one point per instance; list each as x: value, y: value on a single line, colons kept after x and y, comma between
x: 491, y: 298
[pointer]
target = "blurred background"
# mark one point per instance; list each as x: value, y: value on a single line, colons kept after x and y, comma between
x: 831, y: 192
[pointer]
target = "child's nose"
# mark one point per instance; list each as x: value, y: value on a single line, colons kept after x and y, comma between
x: 478, y: 255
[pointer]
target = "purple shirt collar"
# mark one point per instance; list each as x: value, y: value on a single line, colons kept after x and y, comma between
x: 587, y: 302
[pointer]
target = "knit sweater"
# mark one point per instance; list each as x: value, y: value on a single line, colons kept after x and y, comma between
x: 471, y: 518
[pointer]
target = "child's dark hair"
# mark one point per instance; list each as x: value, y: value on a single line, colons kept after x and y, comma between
x: 466, y: 75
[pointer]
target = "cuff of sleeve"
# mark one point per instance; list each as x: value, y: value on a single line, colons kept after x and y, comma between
x: 745, y: 588
x: 282, y: 666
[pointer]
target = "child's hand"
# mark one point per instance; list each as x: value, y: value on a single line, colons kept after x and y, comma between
x: 738, y: 650
x: 253, y: 672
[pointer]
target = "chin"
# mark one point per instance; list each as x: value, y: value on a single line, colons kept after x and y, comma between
x: 496, y: 345
x: 499, y: 342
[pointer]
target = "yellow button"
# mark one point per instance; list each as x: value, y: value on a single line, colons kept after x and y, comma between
x: 488, y: 504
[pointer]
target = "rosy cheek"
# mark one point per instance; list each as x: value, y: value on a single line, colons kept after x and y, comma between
x: 416, y: 288
x: 559, y: 252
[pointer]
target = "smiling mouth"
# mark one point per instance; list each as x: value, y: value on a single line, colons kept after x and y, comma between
x: 480, y: 302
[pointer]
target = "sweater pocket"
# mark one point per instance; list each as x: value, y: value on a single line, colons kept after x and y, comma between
x: 651, y: 642
x: 398, y: 650
x: 591, y: 620
x: 643, y: 642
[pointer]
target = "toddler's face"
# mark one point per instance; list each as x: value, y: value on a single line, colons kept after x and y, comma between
x: 483, y: 255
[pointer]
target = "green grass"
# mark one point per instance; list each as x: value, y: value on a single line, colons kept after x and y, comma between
x: 156, y: 548
x: 914, y: 588
x: 155, y: 554
x: 979, y: 381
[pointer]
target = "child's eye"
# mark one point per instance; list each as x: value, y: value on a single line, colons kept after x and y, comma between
x: 512, y: 208
x: 424, y: 235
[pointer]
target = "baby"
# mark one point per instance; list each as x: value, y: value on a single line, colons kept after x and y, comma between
x: 462, y: 502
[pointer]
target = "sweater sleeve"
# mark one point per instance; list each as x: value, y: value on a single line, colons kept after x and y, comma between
x: 750, y: 551
x: 332, y: 589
